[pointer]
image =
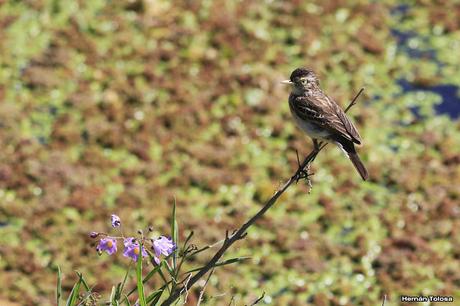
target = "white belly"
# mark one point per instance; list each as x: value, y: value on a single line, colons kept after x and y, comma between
x: 311, y: 129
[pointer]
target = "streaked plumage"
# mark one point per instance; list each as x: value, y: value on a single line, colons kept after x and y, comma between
x: 321, y: 117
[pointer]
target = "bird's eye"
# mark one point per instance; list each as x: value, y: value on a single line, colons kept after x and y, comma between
x: 304, y: 81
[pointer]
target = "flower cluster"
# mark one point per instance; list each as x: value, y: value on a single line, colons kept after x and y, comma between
x: 107, y: 244
x: 160, y: 246
x: 132, y: 248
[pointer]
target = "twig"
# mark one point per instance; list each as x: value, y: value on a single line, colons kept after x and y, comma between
x: 302, y: 173
x: 185, y: 289
x: 186, y: 249
x: 258, y: 300
x: 241, y: 232
x: 384, y: 299
x: 353, y: 102
x: 200, y: 298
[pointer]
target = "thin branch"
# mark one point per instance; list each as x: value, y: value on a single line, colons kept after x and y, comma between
x: 258, y: 300
x: 241, y: 232
x: 200, y: 298
x: 186, y: 249
x: 205, y: 248
x: 384, y: 299
x: 185, y: 289
x: 353, y: 102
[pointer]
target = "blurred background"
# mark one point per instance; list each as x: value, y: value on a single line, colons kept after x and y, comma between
x: 120, y: 106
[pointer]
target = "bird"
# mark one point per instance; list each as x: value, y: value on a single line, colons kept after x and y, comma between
x: 321, y: 118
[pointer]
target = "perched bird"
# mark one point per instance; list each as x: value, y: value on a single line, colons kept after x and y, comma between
x: 321, y: 117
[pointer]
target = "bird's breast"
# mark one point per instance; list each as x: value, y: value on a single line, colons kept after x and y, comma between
x: 311, y: 129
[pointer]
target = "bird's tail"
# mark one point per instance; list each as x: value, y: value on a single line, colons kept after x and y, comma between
x: 349, y: 148
x: 358, y: 165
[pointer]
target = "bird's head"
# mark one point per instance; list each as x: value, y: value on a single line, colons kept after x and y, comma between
x: 302, y: 79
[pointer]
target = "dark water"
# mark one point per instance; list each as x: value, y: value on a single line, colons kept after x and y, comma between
x: 400, y: 9
x: 403, y: 45
x: 449, y: 93
x: 450, y: 104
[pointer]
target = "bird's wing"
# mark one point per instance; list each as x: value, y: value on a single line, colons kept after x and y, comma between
x: 323, y: 111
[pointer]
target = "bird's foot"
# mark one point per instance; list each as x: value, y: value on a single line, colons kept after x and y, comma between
x: 303, y: 173
x: 317, y: 145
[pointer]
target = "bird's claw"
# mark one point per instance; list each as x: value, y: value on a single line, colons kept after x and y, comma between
x: 303, y: 173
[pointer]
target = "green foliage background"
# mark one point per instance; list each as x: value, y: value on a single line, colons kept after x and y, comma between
x: 117, y: 106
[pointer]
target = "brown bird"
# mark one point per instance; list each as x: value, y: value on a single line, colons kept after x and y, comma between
x: 321, y: 118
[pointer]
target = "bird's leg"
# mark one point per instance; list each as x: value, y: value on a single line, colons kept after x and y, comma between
x: 302, y: 172
x: 316, y: 145
x: 305, y: 173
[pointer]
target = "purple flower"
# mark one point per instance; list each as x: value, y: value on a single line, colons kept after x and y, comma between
x: 132, y: 249
x: 116, y: 222
x: 163, y: 245
x: 107, y: 244
x: 128, y: 241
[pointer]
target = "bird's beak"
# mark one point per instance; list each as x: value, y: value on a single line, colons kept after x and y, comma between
x: 287, y: 82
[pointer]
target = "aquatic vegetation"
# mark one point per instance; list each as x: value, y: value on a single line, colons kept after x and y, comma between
x: 121, y: 106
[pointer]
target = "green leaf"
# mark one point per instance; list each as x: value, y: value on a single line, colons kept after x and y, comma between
x: 140, y: 284
x: 155, y: 296
x: 126, y: 300
x: 121, y: 285
x: 165, y: 280
x: 85, y: 284
x: 74, y: 293
x: 170, y: 271
x: 113, y: 294
x: 59, y: 287
x: 147, y: 277
x: 175, y: 235
x: 223, y: 263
